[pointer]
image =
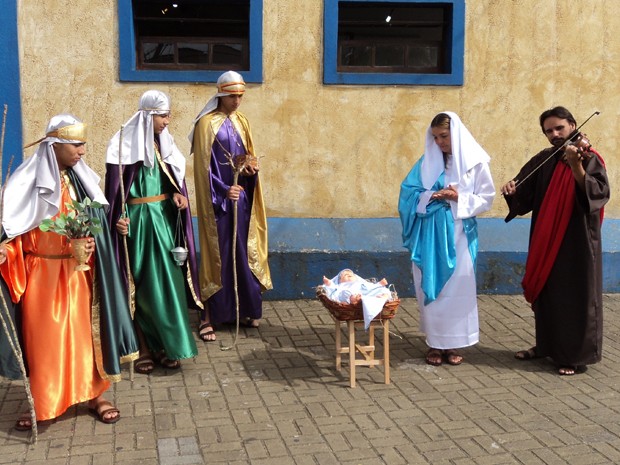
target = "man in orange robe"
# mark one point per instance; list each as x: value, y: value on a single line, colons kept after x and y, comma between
x: 71, y: 320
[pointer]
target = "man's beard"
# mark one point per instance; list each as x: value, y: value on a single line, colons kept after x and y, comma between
x: 558, y: 141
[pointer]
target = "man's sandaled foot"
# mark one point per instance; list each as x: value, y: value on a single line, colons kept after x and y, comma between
x: 570, y: 370
x: 24, y: 422
x: 529, y: 354
x: 250, y: 323
x: 144, y: 365
x: 433, y: 357
x: 104, y: 411
x: 206, y: 332
x: 168, y: 363
x: 452, y: 357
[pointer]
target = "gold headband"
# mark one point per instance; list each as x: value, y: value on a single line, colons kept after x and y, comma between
x: 75, y: 131
x: 234, y: 88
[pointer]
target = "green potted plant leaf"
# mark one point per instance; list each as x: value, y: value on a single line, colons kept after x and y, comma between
x: 77, y: 225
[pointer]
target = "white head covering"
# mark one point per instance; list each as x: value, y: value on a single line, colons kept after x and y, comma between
x: 466, y: 153
x: 229, y: 83
x: 139, y: 137
x: 33, y: 192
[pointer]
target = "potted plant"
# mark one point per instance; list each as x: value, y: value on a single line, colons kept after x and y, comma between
x: 77, y: 225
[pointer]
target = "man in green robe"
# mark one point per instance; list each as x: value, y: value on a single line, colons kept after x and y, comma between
x: 158, y: 219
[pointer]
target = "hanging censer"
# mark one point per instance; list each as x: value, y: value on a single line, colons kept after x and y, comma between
x: 179, y: 253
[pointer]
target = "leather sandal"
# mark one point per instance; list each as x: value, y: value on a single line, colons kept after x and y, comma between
x: 570, y: 370
x: 249, y: 323
x: 24, y: 422
x: 144, y: 365
x: 168, y: 362
x: 209, y: 334
x: 101, y: 409
x: 452, y: 357
x: 433, y: 357
x: 529, y: 354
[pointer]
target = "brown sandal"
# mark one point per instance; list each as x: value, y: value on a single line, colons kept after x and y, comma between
x: 529, y: 354
x: 250, y: 323
x: 570, y: 370
x: 101, y: 409
x: 452, y: 357
x: 206, y: 332
x: 168, y: 362
x: 433, y: 357
x: 24, y: 422
x: 144, y: 365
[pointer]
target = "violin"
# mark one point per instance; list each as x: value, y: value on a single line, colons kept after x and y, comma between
x: 580, y: 141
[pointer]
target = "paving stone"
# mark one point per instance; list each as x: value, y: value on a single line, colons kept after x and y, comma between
x: 277, y: 399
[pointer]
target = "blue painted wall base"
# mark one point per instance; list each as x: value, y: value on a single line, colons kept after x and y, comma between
x: 301, y: 251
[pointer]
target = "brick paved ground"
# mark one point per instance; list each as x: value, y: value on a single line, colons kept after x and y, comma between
x: 276, y: 399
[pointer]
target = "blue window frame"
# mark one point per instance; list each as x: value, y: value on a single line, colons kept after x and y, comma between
x: 131, y: 71
x: 378, y: 69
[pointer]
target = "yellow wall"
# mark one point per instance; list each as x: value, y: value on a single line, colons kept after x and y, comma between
x: 342, y: 151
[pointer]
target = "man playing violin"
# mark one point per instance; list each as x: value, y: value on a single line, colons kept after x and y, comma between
x: 565, y: 187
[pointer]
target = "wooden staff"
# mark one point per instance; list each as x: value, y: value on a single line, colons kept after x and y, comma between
x: 7, y: 321
x: 6, y: 109
x: 236, y: 170
x: 131, y: 287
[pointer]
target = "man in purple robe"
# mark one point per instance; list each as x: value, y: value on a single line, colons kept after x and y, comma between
x: 231, y: 212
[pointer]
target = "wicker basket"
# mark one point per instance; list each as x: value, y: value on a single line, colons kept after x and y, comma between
x: 344, y: 312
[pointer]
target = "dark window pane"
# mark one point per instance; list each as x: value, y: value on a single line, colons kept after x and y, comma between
x: 424, y: 57
x: 357, y: 56
x: 193, y: 53
x: 194, y: 34
x: 158, y: 53
x: 227, y: 54
x: 397, y: 37
x: 390, y: 55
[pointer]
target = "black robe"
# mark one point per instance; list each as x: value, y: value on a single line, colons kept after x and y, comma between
x: 569, y: 309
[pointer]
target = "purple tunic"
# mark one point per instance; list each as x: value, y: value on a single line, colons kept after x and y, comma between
x: 222, y: 303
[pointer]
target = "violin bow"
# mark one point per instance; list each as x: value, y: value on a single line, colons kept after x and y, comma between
x: 567, y: 142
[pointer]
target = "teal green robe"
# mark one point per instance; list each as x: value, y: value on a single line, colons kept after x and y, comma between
x: 161, y: 299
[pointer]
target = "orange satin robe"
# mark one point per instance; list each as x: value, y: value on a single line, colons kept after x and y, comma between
x: 56, y: 328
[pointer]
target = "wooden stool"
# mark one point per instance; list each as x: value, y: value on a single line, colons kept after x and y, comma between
x: 367, y: 351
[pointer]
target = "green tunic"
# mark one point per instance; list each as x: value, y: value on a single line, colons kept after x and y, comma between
x: 161, y: 299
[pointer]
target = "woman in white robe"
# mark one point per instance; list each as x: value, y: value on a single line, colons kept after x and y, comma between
x: 439, y: 199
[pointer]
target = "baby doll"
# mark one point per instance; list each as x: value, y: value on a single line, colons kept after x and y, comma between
x: 347, y: 287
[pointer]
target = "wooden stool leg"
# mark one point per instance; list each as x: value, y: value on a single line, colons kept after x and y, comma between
x: 386, y: 350
x: 371, y: 339
x: 351, y: 325
x: 338, y: 346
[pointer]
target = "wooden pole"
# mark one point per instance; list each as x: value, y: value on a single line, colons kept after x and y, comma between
x: 6, y: 109
x: 9, y: 328
x: 131, y: 288
x: 234, y: 255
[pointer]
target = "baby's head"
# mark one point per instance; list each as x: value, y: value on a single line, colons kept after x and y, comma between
x: 346, y: 276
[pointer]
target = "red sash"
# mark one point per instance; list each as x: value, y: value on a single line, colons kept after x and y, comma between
x: 551, y: 224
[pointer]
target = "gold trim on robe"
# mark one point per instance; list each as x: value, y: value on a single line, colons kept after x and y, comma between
x: 210, y: 263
